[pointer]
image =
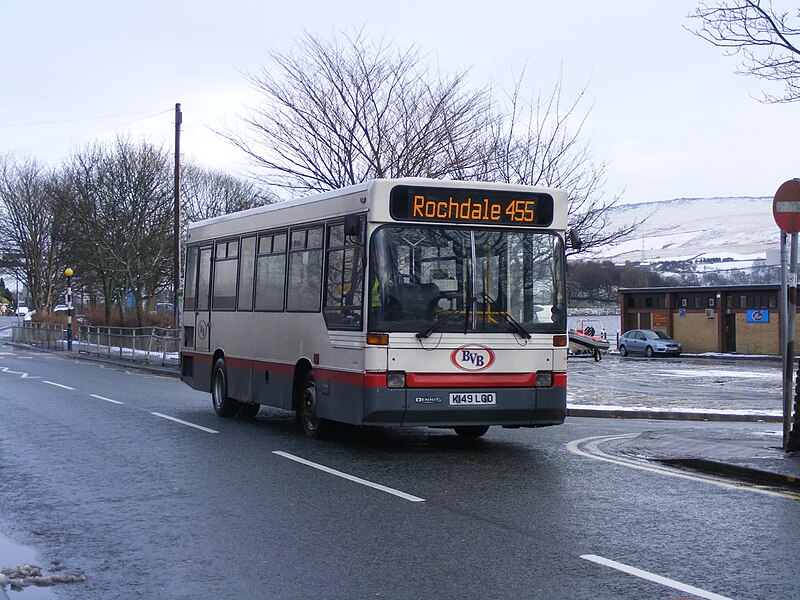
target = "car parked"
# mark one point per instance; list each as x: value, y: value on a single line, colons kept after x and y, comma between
x: 60, y: 308
x: 649, y: 342
x: 22, y: 310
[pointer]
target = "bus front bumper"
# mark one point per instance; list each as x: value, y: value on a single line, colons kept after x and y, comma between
x: 442, y: 407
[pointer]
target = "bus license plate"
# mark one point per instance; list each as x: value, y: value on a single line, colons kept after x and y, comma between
x: 473, y: 399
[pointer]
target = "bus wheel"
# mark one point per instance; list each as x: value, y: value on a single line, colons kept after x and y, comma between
x: 247, y: 411
x: 471, y: 431
x: 224, y: 405
x: 307, y: 409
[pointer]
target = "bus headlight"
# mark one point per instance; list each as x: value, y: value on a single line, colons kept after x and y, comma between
x: 395, y: 380
x: 544, y: 379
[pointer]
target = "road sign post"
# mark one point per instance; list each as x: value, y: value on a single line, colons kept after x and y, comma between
x: 786, y: 211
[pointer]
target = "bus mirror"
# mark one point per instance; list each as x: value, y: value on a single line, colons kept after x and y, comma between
x: 352, y: 225
x: 575, y: 239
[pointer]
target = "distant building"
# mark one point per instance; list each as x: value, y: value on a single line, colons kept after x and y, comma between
x: 729, y: 318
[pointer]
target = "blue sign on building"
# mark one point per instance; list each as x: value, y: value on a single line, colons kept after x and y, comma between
x: 758, y: 316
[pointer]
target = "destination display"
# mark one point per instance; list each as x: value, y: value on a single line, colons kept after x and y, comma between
x: 482, y: 207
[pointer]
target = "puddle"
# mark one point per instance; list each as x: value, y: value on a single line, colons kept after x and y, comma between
x: 11, y: 555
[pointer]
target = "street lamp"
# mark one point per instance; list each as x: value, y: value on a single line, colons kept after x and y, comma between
x: 68, y: 273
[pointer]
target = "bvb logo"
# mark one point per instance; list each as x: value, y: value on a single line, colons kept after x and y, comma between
x: 202, y: 330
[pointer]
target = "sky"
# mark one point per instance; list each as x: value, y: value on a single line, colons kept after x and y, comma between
x: 666, y: 111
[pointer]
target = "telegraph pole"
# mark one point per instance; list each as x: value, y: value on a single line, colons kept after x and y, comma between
x: 176, y: 264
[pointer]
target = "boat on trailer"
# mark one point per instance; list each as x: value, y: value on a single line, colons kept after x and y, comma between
x: 588, y: 341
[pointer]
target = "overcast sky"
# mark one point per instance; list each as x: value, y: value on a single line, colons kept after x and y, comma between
x: 669, y: 115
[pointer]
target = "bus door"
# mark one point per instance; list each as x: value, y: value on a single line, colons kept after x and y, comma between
x: 202, y: 312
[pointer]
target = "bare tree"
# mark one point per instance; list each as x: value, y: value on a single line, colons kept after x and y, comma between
x: 540, y: 142
x: 766, y: 40
x: 207, y: 193
x: 345, y: 111
x: 29, y: 228
x: 335, y: 113
x: 92, y: 226
x: 120, y: 199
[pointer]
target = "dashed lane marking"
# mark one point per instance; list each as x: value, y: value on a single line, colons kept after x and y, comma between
x: 349, y: 477
x: 590, y: 448
x: 53, y: 383
x: 182, y: 422
x: 106, y: 399
x: 665, y: 581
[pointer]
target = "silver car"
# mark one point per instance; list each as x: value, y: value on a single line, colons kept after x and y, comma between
x: 650, y: 342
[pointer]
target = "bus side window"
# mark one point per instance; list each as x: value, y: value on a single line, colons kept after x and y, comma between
x: 344, y: 276
x: 305, y: 270
x: 190, y: 296
x: 247, y: 273
x: 271, y: 272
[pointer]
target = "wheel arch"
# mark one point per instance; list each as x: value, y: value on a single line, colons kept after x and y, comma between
x: 218, y: 354
x: 302, y: 368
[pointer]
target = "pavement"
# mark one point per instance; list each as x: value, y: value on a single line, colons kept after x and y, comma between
x: 754, y: 455
x: 751, y: 454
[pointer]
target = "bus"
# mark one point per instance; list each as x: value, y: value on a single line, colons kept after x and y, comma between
x: 396, y: 302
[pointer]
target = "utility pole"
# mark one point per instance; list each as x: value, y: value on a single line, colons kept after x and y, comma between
x: 176, y: 265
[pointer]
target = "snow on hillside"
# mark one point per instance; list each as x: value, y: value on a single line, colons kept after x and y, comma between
x: 686, y: 228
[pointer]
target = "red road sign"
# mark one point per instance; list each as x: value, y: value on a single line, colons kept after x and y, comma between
x: 786, y: 206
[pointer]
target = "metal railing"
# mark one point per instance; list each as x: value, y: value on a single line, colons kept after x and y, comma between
x: 149, y: 345
x: 141, y: 344
x: 43, y: 335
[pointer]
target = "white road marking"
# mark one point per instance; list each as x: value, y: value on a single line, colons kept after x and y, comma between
x: 66, y: 387
x: 677, y: 585
x: 22, y: 374
x: 593, y: 451
x: 352, y: 478
x: 182, y: 422
x: 106, y: 399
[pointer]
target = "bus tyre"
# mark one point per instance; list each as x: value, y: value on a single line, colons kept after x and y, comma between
x: 313, y: 426
x: 224, y: 405
x: 471, y: 431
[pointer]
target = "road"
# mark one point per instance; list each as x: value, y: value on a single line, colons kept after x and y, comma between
x: 132, y: 480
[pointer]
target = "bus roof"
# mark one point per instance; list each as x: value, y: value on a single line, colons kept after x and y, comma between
x: 352, y: 199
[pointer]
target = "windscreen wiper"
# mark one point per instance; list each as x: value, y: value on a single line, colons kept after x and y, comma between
x: 518, y: 329
x: 429, y: 330
x: 450, y: 314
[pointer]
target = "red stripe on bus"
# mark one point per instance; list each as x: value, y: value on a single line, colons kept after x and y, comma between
x: 262, y: 366
x: 458, y: 380
x: 200, y: 358
x: 374, y: 380
x: 378, y: 380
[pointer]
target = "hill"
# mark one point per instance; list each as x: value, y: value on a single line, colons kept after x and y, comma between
x: 741, y: 229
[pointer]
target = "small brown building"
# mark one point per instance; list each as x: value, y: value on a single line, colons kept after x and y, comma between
x: 729, y: 318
